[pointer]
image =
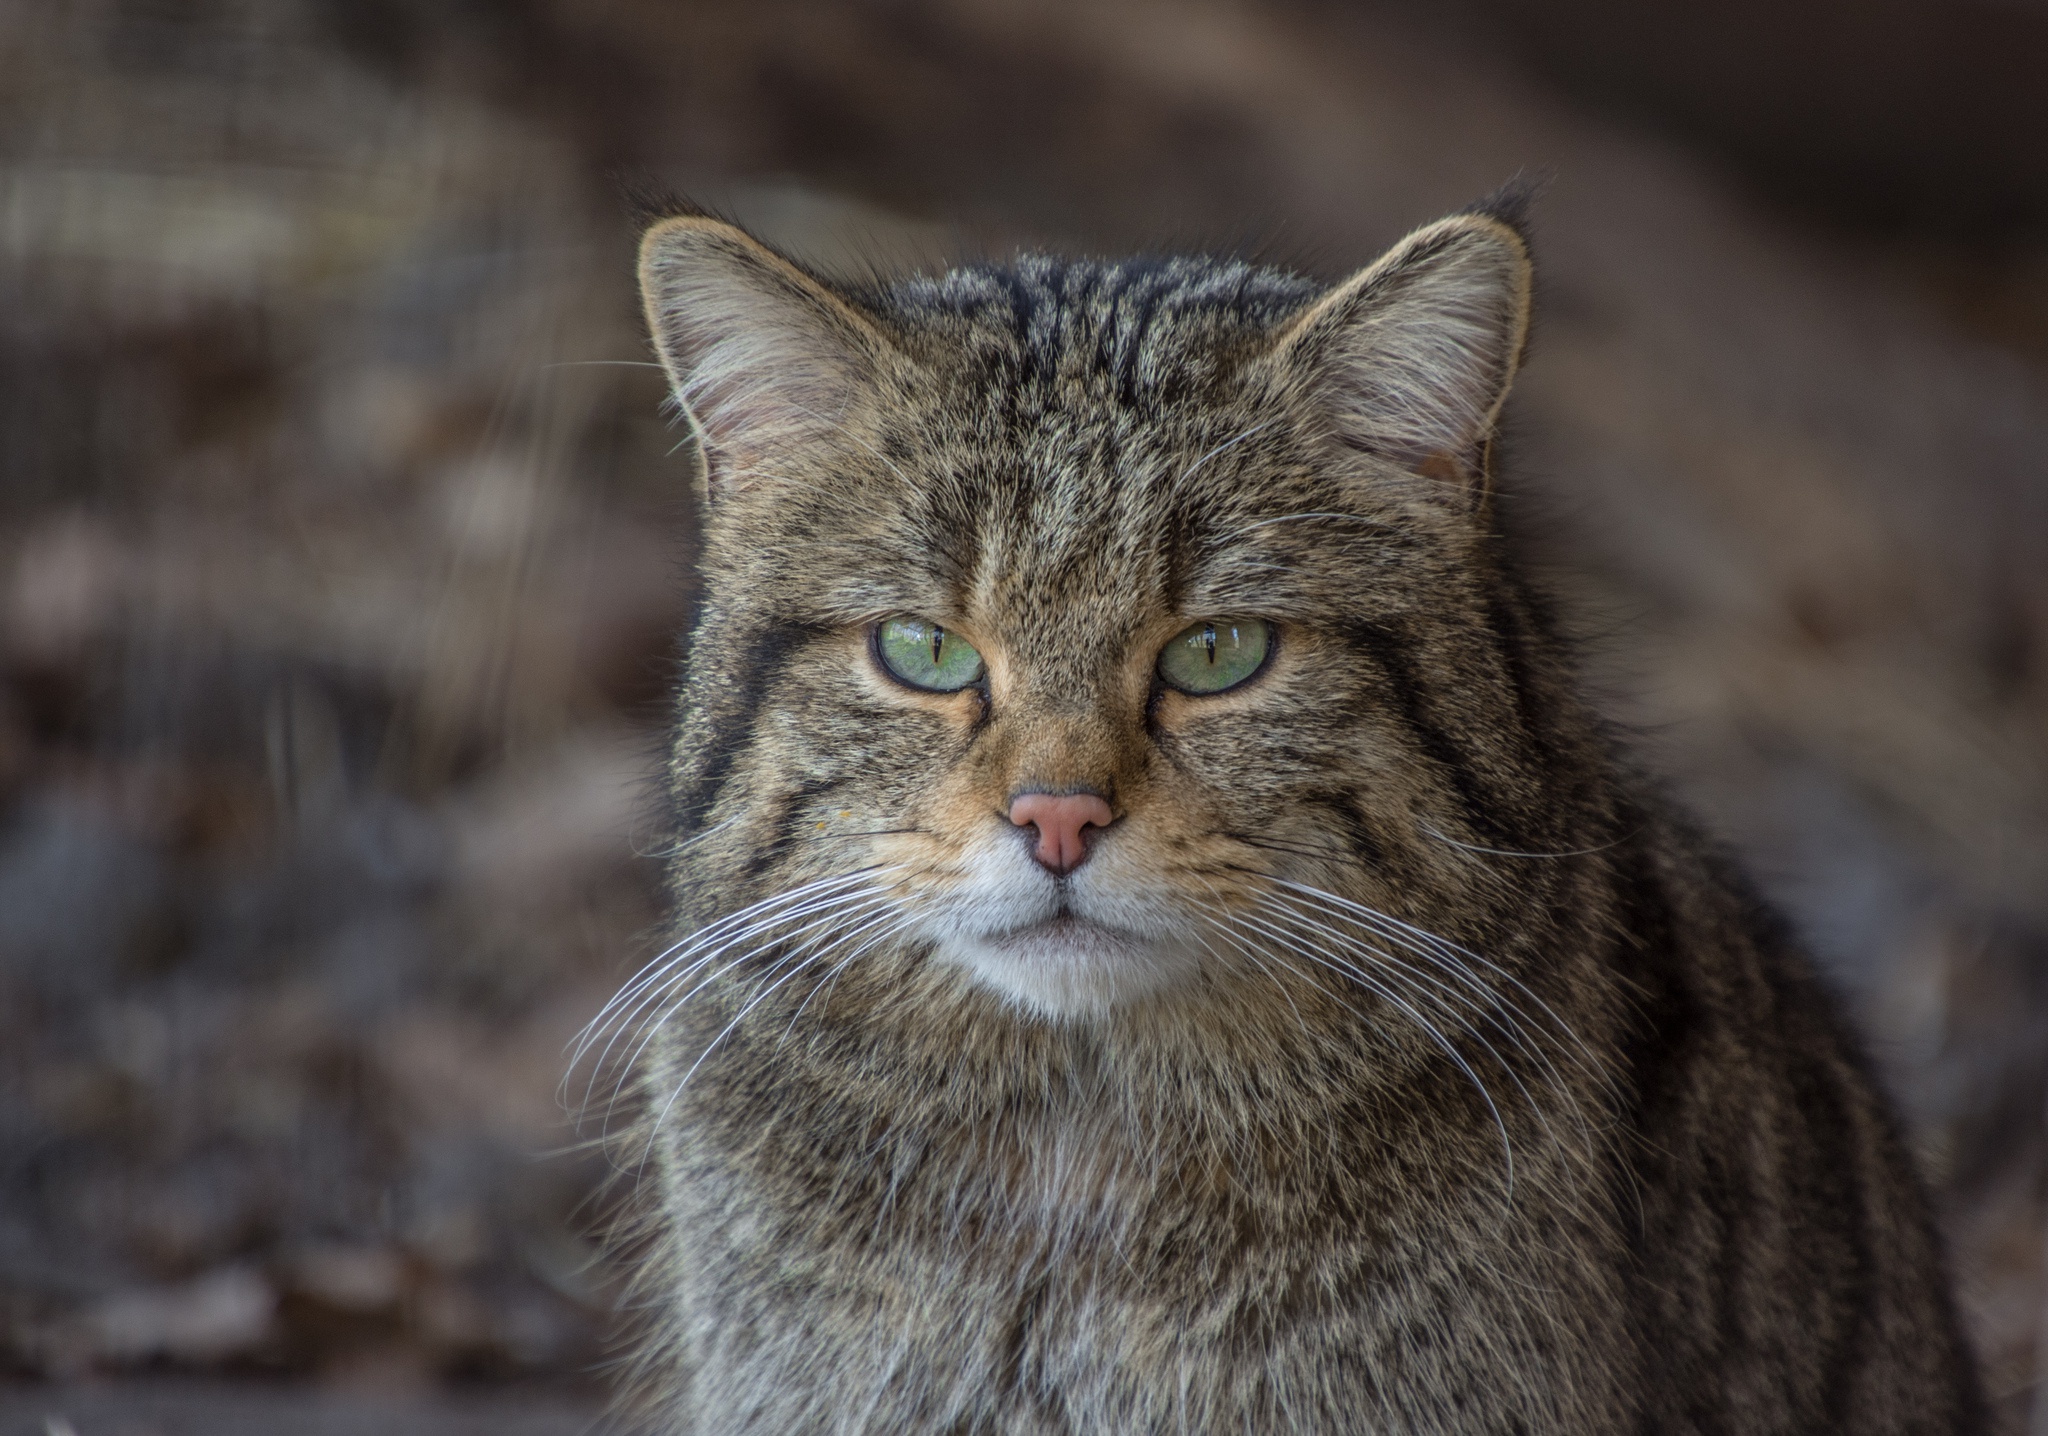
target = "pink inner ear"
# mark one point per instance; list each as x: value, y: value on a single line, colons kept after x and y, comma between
x: 744, y: 414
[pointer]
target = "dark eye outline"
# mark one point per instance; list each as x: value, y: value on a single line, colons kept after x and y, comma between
x: 881, y: 660
x: 1265, y: 659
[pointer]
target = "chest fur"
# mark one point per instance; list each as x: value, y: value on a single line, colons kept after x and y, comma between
x: 1062, y: 1277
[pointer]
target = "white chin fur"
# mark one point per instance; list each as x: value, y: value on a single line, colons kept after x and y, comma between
x: 1075, y: 948
x: 1070, y: 967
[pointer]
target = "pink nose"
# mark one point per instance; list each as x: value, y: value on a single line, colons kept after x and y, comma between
x: 1060, y: 820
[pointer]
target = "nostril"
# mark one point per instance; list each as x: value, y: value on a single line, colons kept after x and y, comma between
x: 1061, y: 819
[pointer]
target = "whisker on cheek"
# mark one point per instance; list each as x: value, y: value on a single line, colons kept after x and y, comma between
x: 1436, y: 1037
x: 754, y: 1000
x: 799, y: 915
x: 779, y: 905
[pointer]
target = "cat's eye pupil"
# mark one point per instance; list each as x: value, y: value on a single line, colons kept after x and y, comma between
x: 926, y: 655
x: 1215, y: 655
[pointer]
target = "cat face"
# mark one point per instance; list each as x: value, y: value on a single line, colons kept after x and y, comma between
x: 1060, y: 620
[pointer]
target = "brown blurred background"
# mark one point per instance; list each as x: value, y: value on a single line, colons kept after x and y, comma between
x: 343, y: 556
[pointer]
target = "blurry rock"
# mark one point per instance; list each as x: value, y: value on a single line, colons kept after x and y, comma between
x: 347, y: 1278
x: 533, y: 1331
x: 453, y: 1316
x: 192, y: 1217
x: 376, y: 961
x: 464, y: 1075
x: 68, y: 581
x: 397, y: 1367
x: 388, y: 416
x: 531, y: 835
x: 77, y: 895
x: 223, y: 1314
x: 501, y: 1326
x: 81, y: 1097
x: 453, y: 1237
x: 491, y: 506
x: 307, y: 752
x: 299, y: 477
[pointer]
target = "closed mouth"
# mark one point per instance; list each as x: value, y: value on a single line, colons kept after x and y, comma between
x: 1066, y: 965
x: 1063, y: 927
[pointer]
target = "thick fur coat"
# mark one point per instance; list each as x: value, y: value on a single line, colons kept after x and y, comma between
x: 1395, y: 1062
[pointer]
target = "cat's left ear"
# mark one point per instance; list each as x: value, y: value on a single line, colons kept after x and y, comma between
x: 1411, y: 358
x: 763, y: 357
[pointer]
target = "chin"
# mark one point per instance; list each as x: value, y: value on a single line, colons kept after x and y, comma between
x: 1070, y: 967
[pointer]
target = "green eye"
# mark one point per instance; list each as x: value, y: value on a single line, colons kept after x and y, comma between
x: 924, y: 655
x: 1215, y: 654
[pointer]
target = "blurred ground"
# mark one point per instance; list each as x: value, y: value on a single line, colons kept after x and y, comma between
x: 214, y: 1408
x: 342, y: 555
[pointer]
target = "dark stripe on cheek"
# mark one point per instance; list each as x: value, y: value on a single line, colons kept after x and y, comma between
x: 1411, y: 699
x: 792, y: 811
x: 1359, y: 838
x: 760, y: 664
x: 1510, y: 638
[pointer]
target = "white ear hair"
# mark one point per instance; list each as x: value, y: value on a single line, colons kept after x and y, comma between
x: 759, y: 354
x: 1411, y: 358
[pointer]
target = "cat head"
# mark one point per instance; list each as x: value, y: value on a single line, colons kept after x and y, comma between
x: 1066, y: 623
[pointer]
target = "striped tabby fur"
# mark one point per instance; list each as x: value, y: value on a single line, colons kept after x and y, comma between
x: 1401, y: 1064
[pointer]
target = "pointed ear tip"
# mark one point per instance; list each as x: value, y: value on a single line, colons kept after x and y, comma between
x: 1487, y: 226
x: 663, y: 234
x: 1504, y: 246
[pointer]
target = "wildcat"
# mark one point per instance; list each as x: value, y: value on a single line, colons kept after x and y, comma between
x: 1162, y: 946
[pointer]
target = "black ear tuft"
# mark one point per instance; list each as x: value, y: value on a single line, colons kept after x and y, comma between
x: 1511, y: 203
x: 648, y: 202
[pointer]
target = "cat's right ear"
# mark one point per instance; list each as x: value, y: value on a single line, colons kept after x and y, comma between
x: 761, y: 356
x: 1411, y: 358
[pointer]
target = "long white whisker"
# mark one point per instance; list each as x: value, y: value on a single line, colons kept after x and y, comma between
x: 1443, y: 1043
x: 758, y: 924
x: 627, y: 1017
x: 654, y: 1131
x: 1498, y: 1010
x: 695, y: 838
x: 751, y: 915
x: 818, y: 927
x: 1494, y: 1009
x: 752, y: 1002
x: 679, y: 950
x: 1408, y: 934
x: 1437, y: 994
x: 1245, y: 951
x: 694, y: 953
x: 840, y: 966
